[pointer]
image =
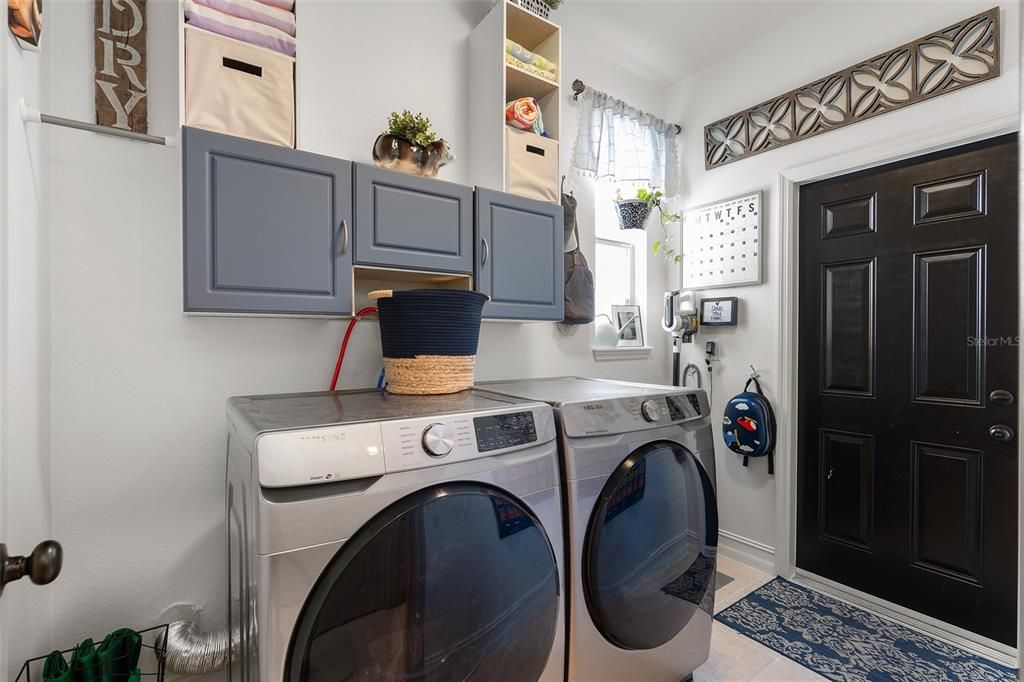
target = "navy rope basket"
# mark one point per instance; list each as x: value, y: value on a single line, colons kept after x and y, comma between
x: 430, y: 339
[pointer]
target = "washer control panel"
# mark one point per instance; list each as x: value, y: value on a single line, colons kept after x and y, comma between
x: 419, y: 443
x: 338, y: 453
x: 499, y: 431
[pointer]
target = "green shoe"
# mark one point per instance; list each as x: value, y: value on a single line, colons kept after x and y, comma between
x: 85, y: 663
x: 56, y: 669
x: 119, y: 655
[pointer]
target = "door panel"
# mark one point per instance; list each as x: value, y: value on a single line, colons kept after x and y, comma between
x: 946, y: 526
x: 848, y: 216
x: 266, y: 228
x: 845, y: 484
x: 950, y: 199
x: 407, y: 221
x: 948, y: 308
x: 848, y: 341
x: 520, y: 263
x: 908, y: 320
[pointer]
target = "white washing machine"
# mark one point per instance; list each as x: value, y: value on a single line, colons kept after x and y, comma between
x: 382, y: 537
x: 642, y: 521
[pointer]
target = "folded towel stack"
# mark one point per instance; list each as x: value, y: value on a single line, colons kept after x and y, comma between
x: 266, y: 23
x: 519, y: 56
x: 523, y: 113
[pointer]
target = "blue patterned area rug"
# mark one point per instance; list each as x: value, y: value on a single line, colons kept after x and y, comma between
x: 847, y: 643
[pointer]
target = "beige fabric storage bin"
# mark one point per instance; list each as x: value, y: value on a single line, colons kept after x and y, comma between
x: 532, y: 165
x: 239, y: 89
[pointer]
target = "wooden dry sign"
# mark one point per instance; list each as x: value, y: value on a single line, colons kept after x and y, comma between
x: 120, y: 55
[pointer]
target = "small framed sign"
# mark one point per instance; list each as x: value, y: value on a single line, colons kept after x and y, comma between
x: 718, y: 312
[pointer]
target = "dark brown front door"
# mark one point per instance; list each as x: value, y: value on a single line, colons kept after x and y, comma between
x: 907, y: 473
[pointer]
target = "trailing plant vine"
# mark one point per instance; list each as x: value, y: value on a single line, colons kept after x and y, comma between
x: 666, y: 245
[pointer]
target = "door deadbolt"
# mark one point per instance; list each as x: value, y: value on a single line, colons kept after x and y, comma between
x: 1001, y: 432
x: 1001, y: 398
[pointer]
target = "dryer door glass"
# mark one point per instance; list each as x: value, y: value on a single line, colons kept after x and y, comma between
x: 455, y: 582
x: 649, y: 555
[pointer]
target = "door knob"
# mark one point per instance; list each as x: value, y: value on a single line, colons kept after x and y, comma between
x: 1001, y: 398
x: 42, y: 566
x: 1001, y: 432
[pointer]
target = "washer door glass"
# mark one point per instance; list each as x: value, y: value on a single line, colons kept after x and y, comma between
x: 649, y: 554
x: 454, y: 582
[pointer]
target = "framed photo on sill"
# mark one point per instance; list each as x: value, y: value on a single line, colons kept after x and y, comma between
x: 631, y: 329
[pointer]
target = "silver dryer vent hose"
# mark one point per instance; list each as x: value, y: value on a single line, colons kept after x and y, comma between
x: 190, y: 651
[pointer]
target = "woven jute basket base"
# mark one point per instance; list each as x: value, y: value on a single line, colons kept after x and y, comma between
x: 430, y: 374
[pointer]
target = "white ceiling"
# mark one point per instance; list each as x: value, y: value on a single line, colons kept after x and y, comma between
x: 668, y: 40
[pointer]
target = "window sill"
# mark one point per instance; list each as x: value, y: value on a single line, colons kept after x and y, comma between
x: 622, y: 353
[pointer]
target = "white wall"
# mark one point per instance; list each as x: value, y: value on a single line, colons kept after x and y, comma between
x: 828, y: 39
x: 138, y: 388
x: 24, y: 352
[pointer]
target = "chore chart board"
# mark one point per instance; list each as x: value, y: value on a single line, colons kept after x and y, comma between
x: 722, y: 243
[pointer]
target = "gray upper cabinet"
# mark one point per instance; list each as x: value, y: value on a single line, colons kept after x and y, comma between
x: 519, y: 256
x: 407, y: 221
x: 266, y: 228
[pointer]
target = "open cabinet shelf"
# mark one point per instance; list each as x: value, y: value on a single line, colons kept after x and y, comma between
x: 495, y: 82
x: 522, y: 83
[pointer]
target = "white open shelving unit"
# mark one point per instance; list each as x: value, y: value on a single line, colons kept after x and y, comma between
x: 493, y: 82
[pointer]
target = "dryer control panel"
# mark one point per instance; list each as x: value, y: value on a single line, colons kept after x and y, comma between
x: 353, y: 451
x: 689, y: 408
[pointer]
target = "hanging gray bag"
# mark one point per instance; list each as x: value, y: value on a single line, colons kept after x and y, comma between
x: 579, y: 280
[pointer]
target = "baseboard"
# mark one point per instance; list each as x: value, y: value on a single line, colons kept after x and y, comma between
x: 976, y: 644
x: 746, y: 551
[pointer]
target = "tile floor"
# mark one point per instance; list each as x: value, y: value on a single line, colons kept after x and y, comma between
x: 735, y: 658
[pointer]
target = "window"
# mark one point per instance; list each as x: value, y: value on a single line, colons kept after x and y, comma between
x: 620, y: 256
x: 614, y: 283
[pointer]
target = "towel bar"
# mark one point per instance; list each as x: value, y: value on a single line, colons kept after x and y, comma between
x: 32, y: 115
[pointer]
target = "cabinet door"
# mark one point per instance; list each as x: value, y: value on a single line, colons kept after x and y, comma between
x: 408, y: 221
x: 266, y: 228
x: 519, y: 262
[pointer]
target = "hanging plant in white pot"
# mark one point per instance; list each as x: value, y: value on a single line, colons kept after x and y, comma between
x: 539, y: 7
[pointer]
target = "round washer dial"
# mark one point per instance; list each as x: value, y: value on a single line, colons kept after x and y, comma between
x: 650, y: 410
x: 438, y: 440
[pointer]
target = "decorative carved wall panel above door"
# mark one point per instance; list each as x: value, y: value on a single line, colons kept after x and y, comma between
x: 948, y: 59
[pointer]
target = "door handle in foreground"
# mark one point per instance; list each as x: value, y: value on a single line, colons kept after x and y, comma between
x: 344, y: 237
x: 42, y: 566
x: 485, y: 251
x: 1001, y: 432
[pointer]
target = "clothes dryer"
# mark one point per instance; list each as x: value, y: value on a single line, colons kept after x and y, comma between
x: 642, y: 520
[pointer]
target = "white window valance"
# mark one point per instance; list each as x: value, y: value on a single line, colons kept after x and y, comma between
x: 619, y: 143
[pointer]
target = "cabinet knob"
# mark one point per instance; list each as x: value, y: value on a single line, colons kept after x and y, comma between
x: 485, y: 251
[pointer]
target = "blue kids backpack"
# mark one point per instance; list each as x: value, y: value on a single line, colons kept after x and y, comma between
x: 748, y: 425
